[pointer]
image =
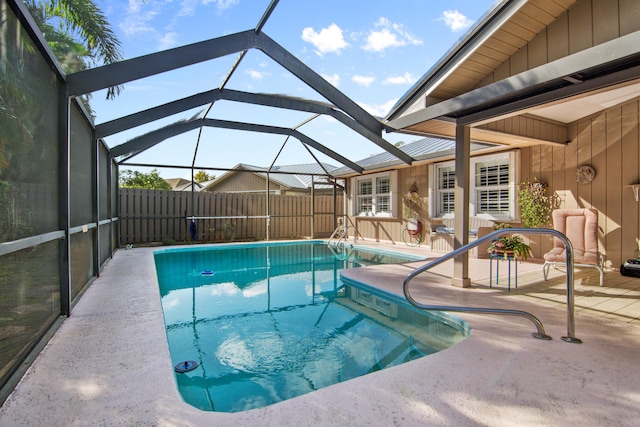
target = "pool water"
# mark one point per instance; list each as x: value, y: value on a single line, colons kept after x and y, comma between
x: 266, y: 323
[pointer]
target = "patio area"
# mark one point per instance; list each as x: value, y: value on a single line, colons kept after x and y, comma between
x: 108, y: 364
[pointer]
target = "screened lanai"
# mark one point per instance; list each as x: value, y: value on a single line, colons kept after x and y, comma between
x: 334, y: 106
x: 59, y: 171
x: 59, y: 222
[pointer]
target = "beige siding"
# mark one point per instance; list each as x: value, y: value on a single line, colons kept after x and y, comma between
x: 586, y: 24
x: 531, y: 127
x: 242, y: 181
x: 610, y: 143
x: 390, y: 229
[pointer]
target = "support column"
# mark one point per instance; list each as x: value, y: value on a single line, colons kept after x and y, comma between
x: 63, y: 200
x: 95, y: 201
x: 268, y: 213
x: 461, y: 234
x: 313, y: 208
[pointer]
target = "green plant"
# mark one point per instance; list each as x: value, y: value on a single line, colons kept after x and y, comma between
x: 535, y: 204
x: 510, y: 246
x: 501, y: 225
x: 229, y: 230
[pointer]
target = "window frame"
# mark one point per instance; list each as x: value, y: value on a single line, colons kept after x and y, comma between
x: 375, y: 196
x: 511, y: 158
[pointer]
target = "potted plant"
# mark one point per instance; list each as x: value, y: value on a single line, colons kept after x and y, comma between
x: 535, y: 204
x: 510, y: 246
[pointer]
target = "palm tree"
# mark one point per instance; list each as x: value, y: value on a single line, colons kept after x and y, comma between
x: 19, y: 91
x: 99, y: 44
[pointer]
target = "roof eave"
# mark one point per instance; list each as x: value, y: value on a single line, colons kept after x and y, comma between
x: 473, y: 39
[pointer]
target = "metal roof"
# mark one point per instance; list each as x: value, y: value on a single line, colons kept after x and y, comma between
x: 291, y: 176
x: 430, y: 148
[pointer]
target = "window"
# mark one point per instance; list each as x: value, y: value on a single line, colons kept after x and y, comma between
x: 374, y: 195
x: 492, y: 187
x: 446, y: 186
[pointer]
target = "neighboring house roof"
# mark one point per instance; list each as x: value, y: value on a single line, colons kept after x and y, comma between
x: 181, y: 184
x: 187, y: 187
x: 294, y: 177
x: 429, y: 148
x: 176, y: 182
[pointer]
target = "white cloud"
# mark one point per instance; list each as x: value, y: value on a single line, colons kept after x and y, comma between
x: 255, y: 74
x: 334, y: 79
x: 455, y: 20
x: 328, y: 40
x: 407, y: 78
x: 222, y: 4
x: 388, y: 35
x: 187, y: 7
x: 137, y: 20
x: 168, y: 41
x: 379, y: 110
x: 363, y: 80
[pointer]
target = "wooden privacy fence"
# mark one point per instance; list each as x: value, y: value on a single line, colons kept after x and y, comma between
x: 158, y: 216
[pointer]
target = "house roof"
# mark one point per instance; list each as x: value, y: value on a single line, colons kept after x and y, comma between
x: 495, y: 37
x: 187, y: 187
x: 295, y: 177
x: 181, y: 184
x: 430, y: 148
x: 176, y: 182
x: 495, y: 73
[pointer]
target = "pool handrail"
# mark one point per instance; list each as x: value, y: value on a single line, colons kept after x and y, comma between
x: 540, y: 334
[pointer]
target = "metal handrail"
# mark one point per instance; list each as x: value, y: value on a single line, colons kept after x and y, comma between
x: 540, y: 334
x: 340, y: 232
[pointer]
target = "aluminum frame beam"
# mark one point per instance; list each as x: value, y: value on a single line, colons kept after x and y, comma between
x: 148, y: 65
x: 118, y: 73
x: 128, y: 70
x: 591, y: 85
x: 146, y: 141
x: 269, y: 100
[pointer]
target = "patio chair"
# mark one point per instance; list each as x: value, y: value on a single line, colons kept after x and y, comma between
x: 581, y: 228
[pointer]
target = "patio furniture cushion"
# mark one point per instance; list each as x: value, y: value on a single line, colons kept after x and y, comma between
x: 581, y: 228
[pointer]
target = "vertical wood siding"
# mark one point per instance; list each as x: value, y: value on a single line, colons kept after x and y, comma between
x: 155, y: 216
x: 390, y: 229
x: 610, y: 143
x: 587, y: 23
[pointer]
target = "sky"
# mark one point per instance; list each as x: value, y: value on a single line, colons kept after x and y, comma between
x: 373, y: 51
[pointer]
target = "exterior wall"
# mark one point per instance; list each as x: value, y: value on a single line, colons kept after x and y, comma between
x: 390, y: 229
x: 586, y: 24
x: 243, y: 181
x: 249, y: 182
x: 610, y: 143
x: 531, y: 127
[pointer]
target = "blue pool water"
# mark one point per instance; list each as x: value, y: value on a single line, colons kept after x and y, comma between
x: 269, y: 322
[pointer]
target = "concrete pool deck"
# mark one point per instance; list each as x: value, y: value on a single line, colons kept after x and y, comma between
x: 108, y: 364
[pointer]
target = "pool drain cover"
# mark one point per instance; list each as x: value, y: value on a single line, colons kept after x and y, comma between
x: 186, y: 366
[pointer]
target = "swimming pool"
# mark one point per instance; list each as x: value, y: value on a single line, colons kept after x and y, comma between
x: 268, y: 322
